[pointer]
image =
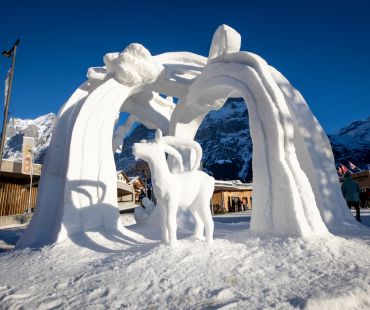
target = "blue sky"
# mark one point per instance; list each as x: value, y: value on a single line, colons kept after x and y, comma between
x: 322, y: 48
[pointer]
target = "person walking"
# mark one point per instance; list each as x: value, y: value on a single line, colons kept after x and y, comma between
x: 141, y: 196
x: 233, y: 205
x: 351, y: 193
x: 244, y: 204
x: 363, y: 199
x: 149, y: 193
x: 239, y: 204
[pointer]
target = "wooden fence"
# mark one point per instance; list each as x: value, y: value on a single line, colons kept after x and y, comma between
x: 14, y: 197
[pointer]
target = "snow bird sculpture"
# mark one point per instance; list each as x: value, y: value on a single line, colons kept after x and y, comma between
x: 184, y: 189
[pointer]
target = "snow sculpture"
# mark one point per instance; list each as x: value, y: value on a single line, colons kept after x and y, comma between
x: 296, y: 189
x: 190, y: 189
x: 142, y: 213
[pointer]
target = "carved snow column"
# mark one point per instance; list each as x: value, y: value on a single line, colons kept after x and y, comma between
x: 78, y: 191
x: 316, y: 158
x: 90, y: 193
x: 283, y: 200
x: 46, y: 220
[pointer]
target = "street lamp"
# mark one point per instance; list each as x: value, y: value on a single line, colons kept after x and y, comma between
x: 10, y: 53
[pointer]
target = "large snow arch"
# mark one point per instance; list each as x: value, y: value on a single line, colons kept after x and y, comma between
x: 295, y: 187
x: 292, y: 160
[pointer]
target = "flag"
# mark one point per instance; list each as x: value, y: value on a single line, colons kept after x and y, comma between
x: 344, y: 168
x: 352, y: 166
x: 340, y: 170
x: 7, y: 85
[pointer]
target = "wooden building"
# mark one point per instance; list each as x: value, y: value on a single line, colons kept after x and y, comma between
x: 227, y: 194
x: 125, y: 192
x: 362, y: 178
x: 138, y: 185
x: 15, y: 198
x: 15, y: 192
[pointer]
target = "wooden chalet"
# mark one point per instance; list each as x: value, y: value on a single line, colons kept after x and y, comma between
x: 15, y: 191
x: 125, y: 192
x: 362, y: 178
x: 227, y: 194
x: 138, y: 185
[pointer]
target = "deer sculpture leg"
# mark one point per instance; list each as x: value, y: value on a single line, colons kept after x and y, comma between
x: 199, y: 226
x: 165, y: 237
x: 204, y: 208
x: 171, y: 221
x: 206, y: 216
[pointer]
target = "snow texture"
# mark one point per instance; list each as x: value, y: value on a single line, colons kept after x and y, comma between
x: 142, y: 213
x: 240, y: 271
x: 225, y: 41
x: 296, y: 189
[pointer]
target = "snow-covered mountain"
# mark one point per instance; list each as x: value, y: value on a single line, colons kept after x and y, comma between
x: 226, y: 142
x: 227, y: 145
x: 352, y: 143
x: 224, y: 136
x: 41, y: 128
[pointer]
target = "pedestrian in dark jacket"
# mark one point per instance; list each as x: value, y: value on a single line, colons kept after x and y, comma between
x: 351, y: 193
x: 149, y: 193
x: 141, y: 196
x: 233, y: 205
x: 239, y: 203
x: 363, y: 199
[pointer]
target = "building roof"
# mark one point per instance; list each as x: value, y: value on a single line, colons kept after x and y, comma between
x: 14, y: 169
x: 135, y: 180
x: 124, y: 175
x: 232, y: 185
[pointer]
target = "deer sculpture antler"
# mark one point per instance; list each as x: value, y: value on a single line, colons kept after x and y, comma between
x: 169, y: 149
x: 186, y: 143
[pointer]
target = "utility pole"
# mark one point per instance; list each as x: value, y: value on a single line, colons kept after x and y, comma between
x: 10, y: 53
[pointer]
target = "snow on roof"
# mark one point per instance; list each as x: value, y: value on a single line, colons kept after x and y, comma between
x: 232, y: 185
x: 133, y: 179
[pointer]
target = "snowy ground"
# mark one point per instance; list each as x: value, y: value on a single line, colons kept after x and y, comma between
x: 240, y: 271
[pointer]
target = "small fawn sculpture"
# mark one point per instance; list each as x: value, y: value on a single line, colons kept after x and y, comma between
x: 192, y: 189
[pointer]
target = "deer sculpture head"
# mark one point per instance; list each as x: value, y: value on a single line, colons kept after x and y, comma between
x: 156, y: 148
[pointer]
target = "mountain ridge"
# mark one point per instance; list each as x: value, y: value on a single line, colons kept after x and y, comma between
x: 224, y: 136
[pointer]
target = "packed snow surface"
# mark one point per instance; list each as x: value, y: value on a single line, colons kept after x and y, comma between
x: 239, y: 271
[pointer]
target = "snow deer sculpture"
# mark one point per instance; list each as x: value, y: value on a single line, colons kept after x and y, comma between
x: 192, y: 189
